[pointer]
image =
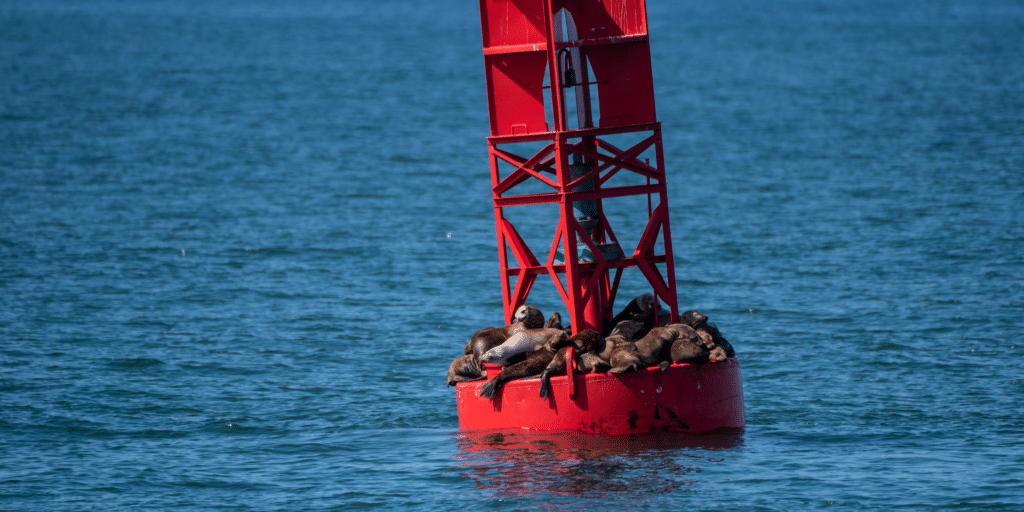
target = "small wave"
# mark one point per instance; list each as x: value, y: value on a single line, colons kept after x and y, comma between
x: 134, y: 364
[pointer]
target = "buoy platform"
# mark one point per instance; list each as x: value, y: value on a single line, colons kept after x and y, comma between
x: 683, y: 398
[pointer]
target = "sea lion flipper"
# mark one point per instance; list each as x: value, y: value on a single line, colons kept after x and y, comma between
x: 487, y: 390
x: 545, y: 384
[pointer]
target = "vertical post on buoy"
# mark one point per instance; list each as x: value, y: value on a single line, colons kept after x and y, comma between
x: 598, y: 51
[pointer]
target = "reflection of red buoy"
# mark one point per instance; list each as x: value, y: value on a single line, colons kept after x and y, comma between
x: 596, y: 57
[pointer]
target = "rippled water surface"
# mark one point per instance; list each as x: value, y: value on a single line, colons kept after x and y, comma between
x: 240, y: 242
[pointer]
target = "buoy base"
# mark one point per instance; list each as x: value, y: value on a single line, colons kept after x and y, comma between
x: 684, y: 398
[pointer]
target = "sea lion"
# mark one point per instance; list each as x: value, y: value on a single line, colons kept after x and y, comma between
x: 655, y: 347
x: 586, y: 362
x: 536, y: 361
x: 530, y: 316
x: 689, y: 347
x: 638, y: 305
x: 708, y: 332
x: 623, y: 334
x: 689, y: 351
x: 624, y: 358
x: 555, y: 322
x: 464, y: 369
x: 525, y: 341
x: 526, y: 317
x: 534, y: 364
x: 648, y: 319
x: 586, y: 344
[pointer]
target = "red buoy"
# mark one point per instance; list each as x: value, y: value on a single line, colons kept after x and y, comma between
x: 595, y: 57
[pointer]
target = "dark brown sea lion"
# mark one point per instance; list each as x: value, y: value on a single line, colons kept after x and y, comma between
x: 689, y: 351
x: 586, y: 362
x: 586, y: 343
x: 707, y: 331
x: 689, y: 347
x: 648, y: 318
x: 534, y: 364
x: 536, y: 361
x: 624, y: 333
x: 624, y: 358
x: 464, y: 369
x: 525, y: 341
x: 555, y: 322
x: 655, y: 347
x: 639, y: 304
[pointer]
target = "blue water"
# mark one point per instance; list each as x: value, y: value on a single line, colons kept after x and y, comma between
x: 240, y: 242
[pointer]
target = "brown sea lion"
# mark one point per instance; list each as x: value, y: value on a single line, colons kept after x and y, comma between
x: 533, y: 365
x: 648, y: 318
x: 555, y: 322
x: 464, y: 369
x: 689, y: 351
x: 530, y: 316
x: 586, y: 343
x: 536, y: 361
x: 638, y: 305
x: 525, y: 341
x: 708, y: 332
x: 655, y: 347
x: 623, y: 334
x: 624, y: 358
x: 586, y: 362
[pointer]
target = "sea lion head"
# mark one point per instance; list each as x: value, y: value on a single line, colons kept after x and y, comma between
x: 530, y: 316
x: 557, y: 339
x: 645, y: 301
x: 588, y: 341
x: 495, y: 356
x: 693, y: 318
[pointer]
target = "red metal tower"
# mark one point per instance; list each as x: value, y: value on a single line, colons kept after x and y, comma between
x: 597, y: 59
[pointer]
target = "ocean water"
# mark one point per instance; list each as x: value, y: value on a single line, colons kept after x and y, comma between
x: 240, y: 242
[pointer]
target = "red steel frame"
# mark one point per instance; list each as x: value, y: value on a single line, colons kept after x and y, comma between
x: 521, y: 41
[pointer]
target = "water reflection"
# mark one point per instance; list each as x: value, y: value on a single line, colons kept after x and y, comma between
x: 522, y: 464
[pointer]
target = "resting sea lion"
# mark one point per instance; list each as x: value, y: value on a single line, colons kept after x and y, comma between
x: 586, y: 343
x: 586, y: 362
x: 624, y: 358
x: 464, y: 369
x: 530, y: 316
x: 534, y: 364
x: 655, y: 347
x: 526, y: 317
x: 623, y: 334
x: 638, y: 305
x: 555, y: 322
x: 525, y: 341
x: 707, y: 331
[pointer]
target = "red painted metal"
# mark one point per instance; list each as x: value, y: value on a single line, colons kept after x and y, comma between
x: 598, y: 50
x: 683, y: 399
x: 524, y: 41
